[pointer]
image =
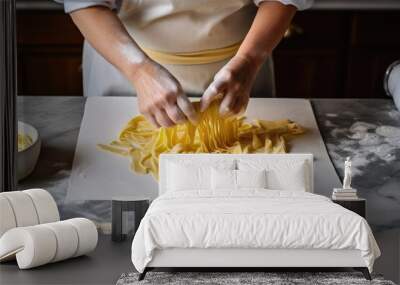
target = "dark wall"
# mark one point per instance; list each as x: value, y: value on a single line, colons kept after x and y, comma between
x: 326, y: 54
x: 337, y: 54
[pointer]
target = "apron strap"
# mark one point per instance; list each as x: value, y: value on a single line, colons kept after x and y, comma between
x: 193, y: 58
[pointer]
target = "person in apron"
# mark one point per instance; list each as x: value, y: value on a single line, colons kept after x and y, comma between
x: 164, y: 51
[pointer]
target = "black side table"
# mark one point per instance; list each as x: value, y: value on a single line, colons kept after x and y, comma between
x: 124, y: 211
x: 358, y: 206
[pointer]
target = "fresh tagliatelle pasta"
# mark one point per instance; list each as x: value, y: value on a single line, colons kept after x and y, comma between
x: 214, y: 133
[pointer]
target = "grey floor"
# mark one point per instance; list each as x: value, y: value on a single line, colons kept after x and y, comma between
x: 102, y: 266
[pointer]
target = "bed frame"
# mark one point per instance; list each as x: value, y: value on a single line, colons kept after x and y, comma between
x: 246, y: 259
x: 260, y: 259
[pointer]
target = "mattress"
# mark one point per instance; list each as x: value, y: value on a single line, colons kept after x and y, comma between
x: 250, y: 218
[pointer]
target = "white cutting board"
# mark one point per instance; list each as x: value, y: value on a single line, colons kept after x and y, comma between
x: 99, y: 175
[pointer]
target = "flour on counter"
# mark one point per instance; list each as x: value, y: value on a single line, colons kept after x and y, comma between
x: 361, y: 124
x: 371, y: 139
x: 331, y: 115
x: 368, y: 143
x: 388, y: 131
x: 361, y: 127
x: 393, y: 141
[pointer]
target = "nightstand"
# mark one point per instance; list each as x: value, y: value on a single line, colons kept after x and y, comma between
x: 127, y: 212
x: 358, y: 206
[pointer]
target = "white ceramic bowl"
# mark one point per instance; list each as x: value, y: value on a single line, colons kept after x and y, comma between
x: 28, y: 157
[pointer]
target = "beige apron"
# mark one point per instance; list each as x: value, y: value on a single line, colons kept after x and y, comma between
x: 178, y: 26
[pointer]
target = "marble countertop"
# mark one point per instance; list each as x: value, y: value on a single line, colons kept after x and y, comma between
x: 368, y: 130
x: 318, y: 4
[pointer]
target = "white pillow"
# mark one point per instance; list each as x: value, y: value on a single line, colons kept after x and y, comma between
x: 186, y: 175
x: 294, y: 182
x: 292, y: 178
x: 285, y: 174
x: 227, y: 179
x: 182, y: 177
x: 251, y: 179
x: 223, y: 179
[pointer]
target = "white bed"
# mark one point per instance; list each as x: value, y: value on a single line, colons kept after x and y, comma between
x: 248, y: 227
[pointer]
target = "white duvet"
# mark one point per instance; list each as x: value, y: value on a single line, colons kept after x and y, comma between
x: 250, y: 219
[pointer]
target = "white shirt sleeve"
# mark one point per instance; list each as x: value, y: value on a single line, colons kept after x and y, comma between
x: 73, y: 5
x: 299, y: 4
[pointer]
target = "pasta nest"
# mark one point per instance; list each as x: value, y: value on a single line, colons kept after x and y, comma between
x: 143, y: 142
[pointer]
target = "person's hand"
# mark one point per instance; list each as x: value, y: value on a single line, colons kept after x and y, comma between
x: 160, y: 96
x: 233, y: 82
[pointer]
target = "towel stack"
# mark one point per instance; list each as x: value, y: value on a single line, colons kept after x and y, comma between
x: 344, y: 194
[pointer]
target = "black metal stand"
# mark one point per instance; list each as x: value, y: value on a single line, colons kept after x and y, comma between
x: 137, y: 205
x: 8, y: 94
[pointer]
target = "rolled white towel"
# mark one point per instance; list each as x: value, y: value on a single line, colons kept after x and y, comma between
x: 40, y: 244
x: 67, y: 240
x: 23, y: 208
x: 87, y: 234
x: 46, y: 207
x: 26, y: 208
x: 32, y: 246
x: 7, y: 218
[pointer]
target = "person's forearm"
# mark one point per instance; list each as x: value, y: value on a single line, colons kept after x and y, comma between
x: 160, y: 96
x: 105, y: 32
x: 268, y: 28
